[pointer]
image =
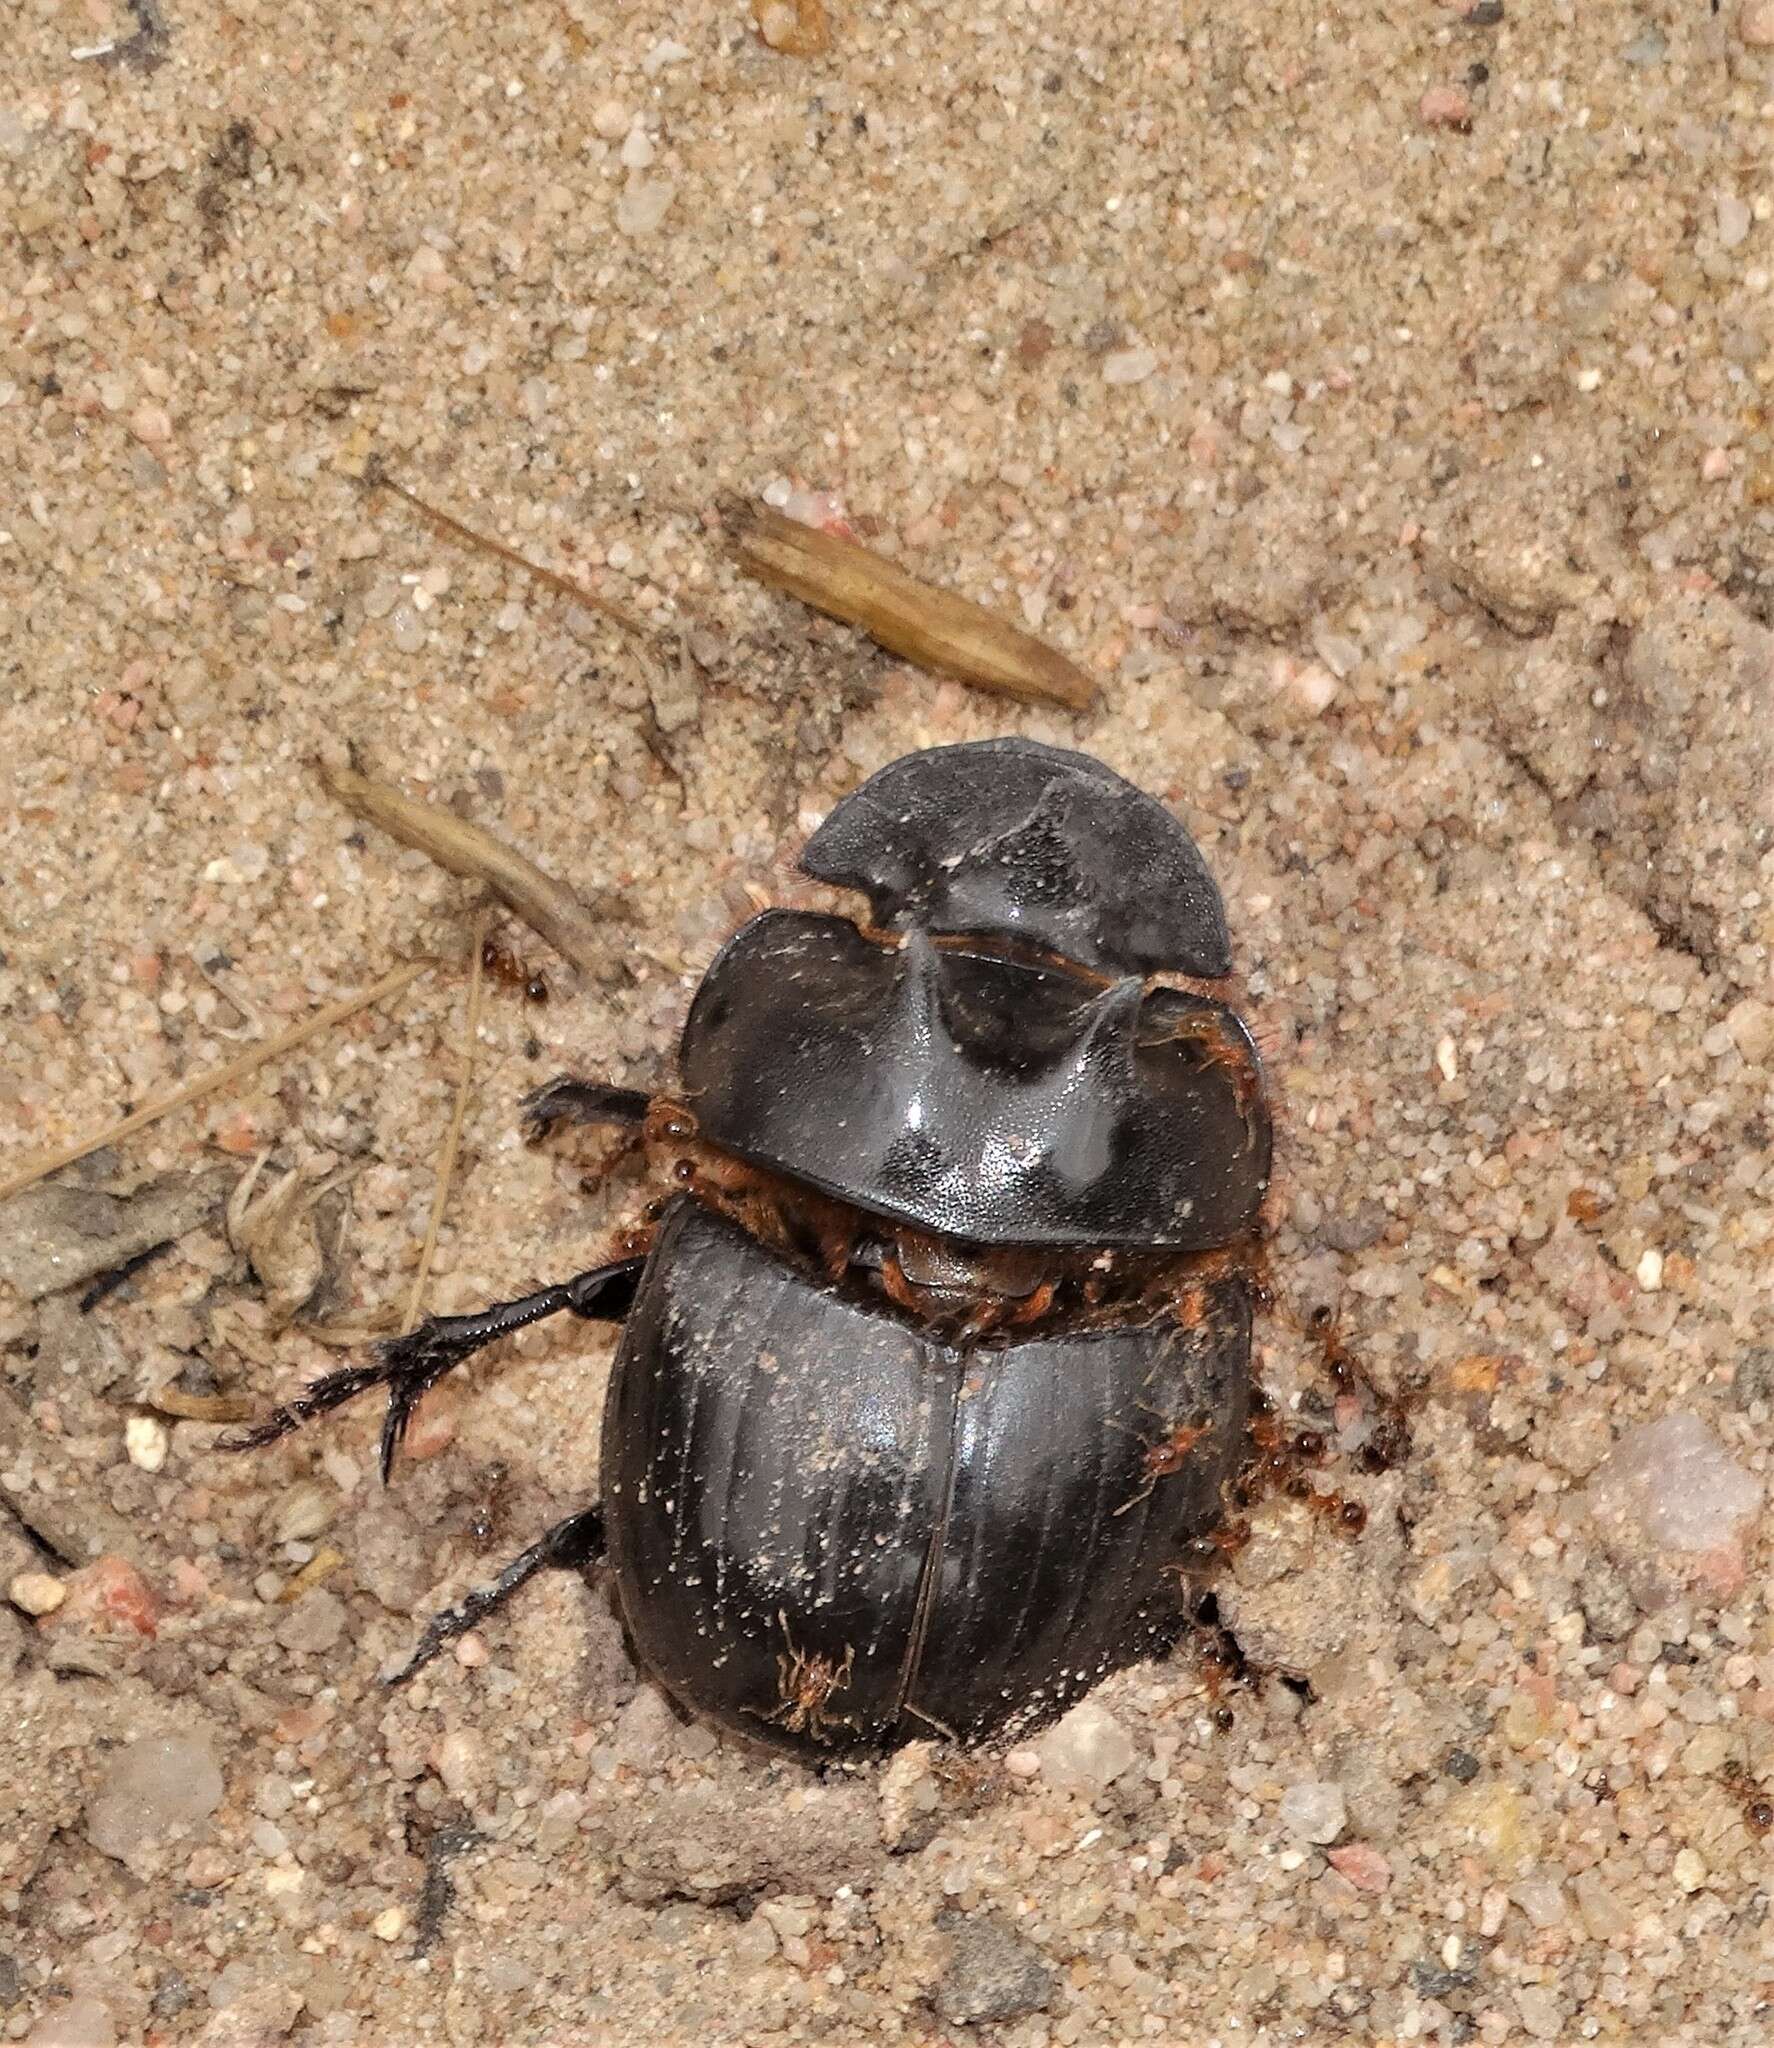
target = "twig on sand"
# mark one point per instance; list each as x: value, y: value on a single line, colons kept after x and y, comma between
x: 216, y: 1079
x: 563, y: 586
x: 934, y: 628
x: 446, y: 1158
x: 548, y: 907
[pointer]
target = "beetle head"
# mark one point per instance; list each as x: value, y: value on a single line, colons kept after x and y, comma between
x: 1010, y: 838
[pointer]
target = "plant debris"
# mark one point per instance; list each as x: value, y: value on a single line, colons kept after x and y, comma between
x: 63, y: 1236
x: 548, y: 907
x: 279, y: 1234
x: 562, y: 586
x: 212, y: 1083
x: 920, y: 623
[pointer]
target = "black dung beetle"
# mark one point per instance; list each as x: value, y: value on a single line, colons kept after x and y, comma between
x: 937, y: 1368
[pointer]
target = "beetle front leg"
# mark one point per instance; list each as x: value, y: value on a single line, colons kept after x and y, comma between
x: 570, y: 1545
x: 567, y: 1100
x: 410, y: 1366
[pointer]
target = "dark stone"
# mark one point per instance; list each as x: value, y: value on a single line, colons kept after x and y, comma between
x: 171, y: 1996
x: 1610, y: 1613
x: 1754, y: 1377
x: 993, y: 1973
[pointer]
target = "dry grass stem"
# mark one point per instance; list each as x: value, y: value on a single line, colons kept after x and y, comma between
x: 934, y: 628
x: 216, y: 1079
x: 183, y: 1407
x: 548, y: 907
x: 446, y: 1162
x: 562, y: 586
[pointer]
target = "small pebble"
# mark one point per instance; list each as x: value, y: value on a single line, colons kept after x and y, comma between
x: 1599, y: 1907
x: 151, y: 424
x: 798, y: 28
x: 145, y: 1441
x: 1734, y: 220
x: 1540, y: 2011
x: 109, y: 1597
x: 1542, y: 1901
x: 1314, y: 1810
x: 1362, y: 1865
x: 994, y: 1973
x: 82, y: 2022
x: 1753, y: 1379
x: 755, y: 1943
x: 155, y: 1788
x: 302, y: 1513
x: 1445, y: 106
x: 314, y: 1624
x: 457, y: 1760
x: 1086, y: 1751
x: 1688, y: 1870
x: 36, y: 1593
x: 645, y: 1728
x: 1755, y: 24
x: 612, y: 120
x: 1678, y: 1483
x: 1129, y: 366
x: 1751, y: 1025
x: 390, y: 1924
x: 643, y: 204
x: 407, y: 627
x: 1314, y: 686
x: 1609, y: 1609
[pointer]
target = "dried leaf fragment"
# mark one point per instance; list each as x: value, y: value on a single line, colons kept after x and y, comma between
x: 58, y: 1237
x: 934, y: 628
x: 174, y: 1400
x: 795, y: 28
x: 279, y: 1234
x: 548, y: 907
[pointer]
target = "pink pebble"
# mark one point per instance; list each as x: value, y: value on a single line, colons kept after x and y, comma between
x: 1445, y: 106
x: 1363, y: 1865
x: 151, y: 424
x: 109, y: 1597
x: 433, y: 1427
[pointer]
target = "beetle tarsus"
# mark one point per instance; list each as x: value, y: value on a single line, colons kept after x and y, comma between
x: 320, y: 1398
x: 410, y: 1366
x: 565, y: 1100
x: 570, y: 1545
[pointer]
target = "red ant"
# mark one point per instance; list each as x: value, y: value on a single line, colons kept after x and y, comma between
x: 1168, y: 1455
x: 1278, y: 1463
x: 502, y: 965
x: 1758, y: 1809
x: 1389, y: 1438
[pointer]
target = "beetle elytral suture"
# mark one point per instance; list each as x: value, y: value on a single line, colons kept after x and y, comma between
x: 934, y: 1389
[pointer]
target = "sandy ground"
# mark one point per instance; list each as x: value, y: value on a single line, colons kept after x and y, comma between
x: 1374, y: 401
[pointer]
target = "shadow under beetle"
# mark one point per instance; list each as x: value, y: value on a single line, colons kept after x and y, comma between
x: 936, y: 1370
